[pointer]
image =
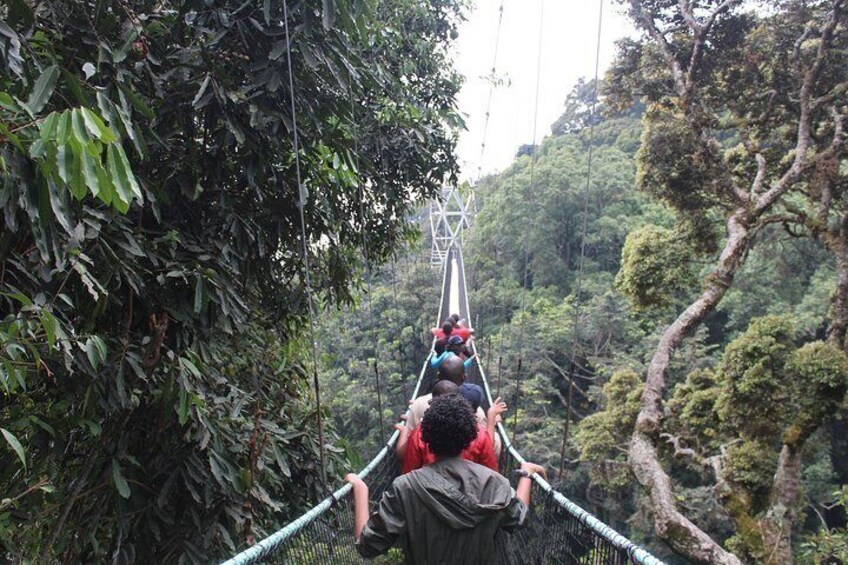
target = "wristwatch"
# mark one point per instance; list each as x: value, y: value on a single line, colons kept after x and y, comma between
x: 523, y: 473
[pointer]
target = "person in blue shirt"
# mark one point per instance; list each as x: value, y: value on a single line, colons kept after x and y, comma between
x: 453, y: 348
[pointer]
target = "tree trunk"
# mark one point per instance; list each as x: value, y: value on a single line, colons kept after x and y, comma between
x: 776, y: 526
x: 680, y: 533
x: 837, y: 242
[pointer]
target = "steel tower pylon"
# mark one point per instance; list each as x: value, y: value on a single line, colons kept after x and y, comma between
x: 450, y: 216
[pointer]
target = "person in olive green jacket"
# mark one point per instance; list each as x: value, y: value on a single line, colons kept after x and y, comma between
x: 449, y: 512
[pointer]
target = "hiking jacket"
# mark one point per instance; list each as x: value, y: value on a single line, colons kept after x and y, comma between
x: 452, y: 512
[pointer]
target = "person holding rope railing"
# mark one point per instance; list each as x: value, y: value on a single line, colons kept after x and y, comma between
x: 452, y: 511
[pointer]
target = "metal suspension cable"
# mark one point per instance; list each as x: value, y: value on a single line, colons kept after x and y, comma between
x: 563, y: 532
x: 503, y: 305
x: 368, y: 273
x: 579, y: 281
x: 491, y: 91
x: 399, y: 330
x: 496, y: 346
x: 533, y: 159
x: 307, y: 278
x: 608, y: 547
x: 487, y: 115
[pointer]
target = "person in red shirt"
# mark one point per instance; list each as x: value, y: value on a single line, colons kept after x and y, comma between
x: 445, y: 331
x: 462, y: 330
x: 442, y: 335
x: 480, y: 451
x: 451, y: 328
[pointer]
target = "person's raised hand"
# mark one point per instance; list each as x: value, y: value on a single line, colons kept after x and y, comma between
x: 533, y: 468
x: 354, y: 480
x: 497, y: 408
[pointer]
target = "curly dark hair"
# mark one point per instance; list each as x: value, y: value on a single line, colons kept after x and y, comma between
x: 448, y: 426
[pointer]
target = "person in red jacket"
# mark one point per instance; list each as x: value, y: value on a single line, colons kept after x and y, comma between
x: 480, y: 450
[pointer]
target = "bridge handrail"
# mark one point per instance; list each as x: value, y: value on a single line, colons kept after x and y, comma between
x: 268, y: 545
x: 635, y: 552
x: 271, y: 543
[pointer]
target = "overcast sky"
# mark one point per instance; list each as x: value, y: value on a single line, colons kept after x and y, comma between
x: 569, y: 35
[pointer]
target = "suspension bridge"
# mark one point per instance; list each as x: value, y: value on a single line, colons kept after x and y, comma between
x: 558, y: 530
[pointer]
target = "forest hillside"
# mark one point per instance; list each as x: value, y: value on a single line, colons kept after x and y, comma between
x: 216, y: 292
x: 596, y: 326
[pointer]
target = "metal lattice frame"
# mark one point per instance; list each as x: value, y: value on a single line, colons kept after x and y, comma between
x: 450, y: 216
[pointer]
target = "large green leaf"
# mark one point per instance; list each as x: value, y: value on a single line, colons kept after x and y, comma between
x: 102, y: 348
x: 43, y: 89
x: 92, y: 353
x: 199, y: 96
x: 119, y: 54
x: 78, y: 186
x: 118, y: 175
x: 15, y: 445
x: 107, y: 190
x: 65, y: 161
x: 119, y: 480
x: 96, y: 127
x: 122, y: 176
x: 137, y: 102
x: 47, y: 130
x: 182, y: 409
x: 78, y: 129
x: 60, y: 204
x: 48, y: 322
x: 90, y: 167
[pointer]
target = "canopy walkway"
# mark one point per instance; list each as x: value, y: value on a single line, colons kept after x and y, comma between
x: 558, y: 531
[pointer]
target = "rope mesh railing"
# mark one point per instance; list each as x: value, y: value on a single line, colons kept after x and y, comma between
x: 557, y: 531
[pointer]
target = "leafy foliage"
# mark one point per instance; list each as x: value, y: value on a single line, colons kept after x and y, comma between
x: 754, y: 401
x: 655, y: 266
x: 692, y: 408
x: 828, y: 545
x: 601, y: 434
x: 678, y: 169
x: 738, y: 386
x: 820, y: 372
x: 153, y: 296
